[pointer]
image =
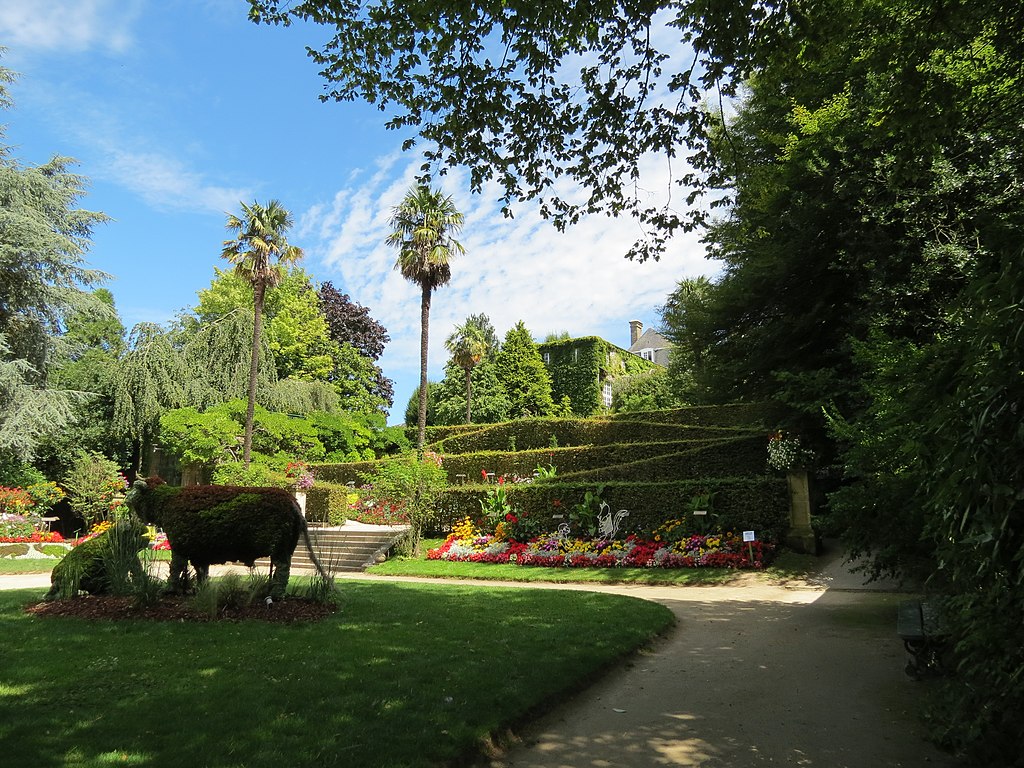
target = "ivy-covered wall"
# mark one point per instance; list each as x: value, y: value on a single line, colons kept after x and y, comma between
x: 578, y: 368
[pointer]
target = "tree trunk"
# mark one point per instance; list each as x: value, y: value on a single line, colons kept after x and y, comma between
x: 421, y: 434
x: 469, y: 395
x: 258, y: 293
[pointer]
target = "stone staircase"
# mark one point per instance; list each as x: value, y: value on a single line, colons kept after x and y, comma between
x: 342, y: 549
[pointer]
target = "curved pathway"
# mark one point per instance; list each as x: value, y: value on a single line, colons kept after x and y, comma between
x: 753, y: 674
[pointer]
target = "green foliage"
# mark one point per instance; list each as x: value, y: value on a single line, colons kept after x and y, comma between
x: 148, y: 380
x: 575, y: 368
x: 648, y: 390
x: 212, y: 524
x: 95, y: 488
x: 328, y: 503
x: 415, y: 480
x: 683, y: 314
x: 523, y: 375
x: 213, y: 438
x: 105, y: 564
x: 448, y: 398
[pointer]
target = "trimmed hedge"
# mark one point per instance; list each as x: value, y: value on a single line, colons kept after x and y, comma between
x: 735, y: 415
x: 327, y: 503
x: 675, y: 460
x: 532, y: 434
x: 737, y: 457
x: 744, y: 415
x: 759, y: 504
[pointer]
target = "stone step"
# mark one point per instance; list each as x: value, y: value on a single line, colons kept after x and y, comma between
x: 342, y: 550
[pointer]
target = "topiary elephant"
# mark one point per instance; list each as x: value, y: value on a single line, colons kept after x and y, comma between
x: 211, y: 524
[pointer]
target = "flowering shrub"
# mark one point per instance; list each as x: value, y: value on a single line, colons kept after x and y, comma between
x: 15, y: 501
x: 24, y: 529
x: 299, y: 475
x: 377, y: 512
x: 721, y: 550
x: 786, y: 452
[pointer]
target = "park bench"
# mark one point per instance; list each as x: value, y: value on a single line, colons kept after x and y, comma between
x: 918, y: 625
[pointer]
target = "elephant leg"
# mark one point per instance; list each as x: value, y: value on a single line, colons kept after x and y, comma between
x: 281, y: 569
x: 202, y: 573
x: 177, y: 581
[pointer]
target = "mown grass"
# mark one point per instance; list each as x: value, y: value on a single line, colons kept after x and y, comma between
x: 27, y: 565
x: 787, y: 566
x: 403, y: 675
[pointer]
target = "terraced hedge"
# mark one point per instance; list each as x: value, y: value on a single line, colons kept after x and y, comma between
x: 652, y: 464
x: 752, y: 416
x: 327, y: 502
x: 534, y: 434
x: 760, y: 504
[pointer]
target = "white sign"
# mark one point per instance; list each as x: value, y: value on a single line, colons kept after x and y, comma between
x: 700, y: 511
x: 748, y: 536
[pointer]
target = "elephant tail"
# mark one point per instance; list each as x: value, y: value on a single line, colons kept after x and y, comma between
x: 321, y: 571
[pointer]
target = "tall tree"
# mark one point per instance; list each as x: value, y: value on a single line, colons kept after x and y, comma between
x: 467, y: 346
x: 259, y: 251
x: 424, y: 225
x: 43, y: 277
x: 523, y: 374
x: 681, y: 317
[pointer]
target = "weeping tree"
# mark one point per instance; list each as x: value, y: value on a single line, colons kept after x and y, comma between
x: 423, y: 226
x: 150, y: 379
x: 259, y: 252
x: 220, y: 355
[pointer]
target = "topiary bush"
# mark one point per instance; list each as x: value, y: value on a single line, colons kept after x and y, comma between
x: 104, y: 564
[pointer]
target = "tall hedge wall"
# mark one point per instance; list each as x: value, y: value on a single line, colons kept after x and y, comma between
x: 760, y: 504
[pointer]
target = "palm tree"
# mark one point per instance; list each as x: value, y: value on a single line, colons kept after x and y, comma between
x: 468, y: 347
x: 259, y: 251
x: 423, y: 225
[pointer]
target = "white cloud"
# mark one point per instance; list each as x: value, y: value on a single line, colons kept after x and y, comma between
x: 68, y: 25
x: 514, y: 269
x: 164, y: 182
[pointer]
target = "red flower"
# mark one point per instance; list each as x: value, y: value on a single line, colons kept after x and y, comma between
x: 556, y: 503
x: 483, y: 473
x: 510, y: 518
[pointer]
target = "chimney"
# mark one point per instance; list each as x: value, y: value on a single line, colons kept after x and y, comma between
x: 636, y: 328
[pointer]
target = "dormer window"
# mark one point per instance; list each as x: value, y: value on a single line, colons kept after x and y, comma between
x: 647, y: 354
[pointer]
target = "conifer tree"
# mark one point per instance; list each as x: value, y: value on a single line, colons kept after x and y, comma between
x: 523, y: 374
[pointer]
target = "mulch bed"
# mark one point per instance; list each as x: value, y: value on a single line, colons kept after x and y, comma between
x: 176, y: 608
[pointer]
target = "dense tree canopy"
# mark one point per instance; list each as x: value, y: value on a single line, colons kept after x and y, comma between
x: 43, y: 280
x: 350, y: 323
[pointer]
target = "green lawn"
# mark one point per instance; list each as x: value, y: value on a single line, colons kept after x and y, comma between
x: 787, y: 565
x: 404, y: 675
x: 27, y: 565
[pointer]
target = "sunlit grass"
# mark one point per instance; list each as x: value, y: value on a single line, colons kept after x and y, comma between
x: 403, y: 675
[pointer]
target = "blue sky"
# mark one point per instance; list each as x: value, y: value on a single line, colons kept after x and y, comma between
x: 176, y: 111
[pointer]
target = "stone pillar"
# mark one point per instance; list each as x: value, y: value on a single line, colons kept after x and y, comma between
x: 800, y: 536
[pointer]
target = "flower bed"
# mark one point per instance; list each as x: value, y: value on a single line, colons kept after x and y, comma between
x: 720, y: 550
